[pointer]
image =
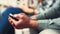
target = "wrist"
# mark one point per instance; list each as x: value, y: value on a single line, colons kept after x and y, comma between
x: 33, y: 24
x: 33, y: 17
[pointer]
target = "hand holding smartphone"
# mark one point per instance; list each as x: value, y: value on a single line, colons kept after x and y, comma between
x: 11, y: 15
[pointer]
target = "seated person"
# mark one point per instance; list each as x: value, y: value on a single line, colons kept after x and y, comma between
x: 49, y: 20
x: 8, y: 12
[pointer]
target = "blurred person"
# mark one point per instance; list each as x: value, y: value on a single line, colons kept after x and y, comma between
x: 47, y: 22
x: 24, y: 8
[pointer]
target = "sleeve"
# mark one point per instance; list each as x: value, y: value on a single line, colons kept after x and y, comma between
x: 49, y: 24
x: 52, y: 12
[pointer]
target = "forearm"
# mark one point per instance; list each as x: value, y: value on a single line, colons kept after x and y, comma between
x: 39, y: 24
x: 45, y: 24
x: 33, y: 24
x: 49, y: 24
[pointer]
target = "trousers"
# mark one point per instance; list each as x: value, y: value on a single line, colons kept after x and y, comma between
x: 5, y: 26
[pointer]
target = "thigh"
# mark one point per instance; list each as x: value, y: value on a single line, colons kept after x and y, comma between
x: 5, y: 27
x: 50, y: 31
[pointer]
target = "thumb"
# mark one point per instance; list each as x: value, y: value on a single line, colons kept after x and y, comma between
x: 16, y: 16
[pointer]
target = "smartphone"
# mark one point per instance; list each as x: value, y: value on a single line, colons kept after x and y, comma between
x: 11, y: 15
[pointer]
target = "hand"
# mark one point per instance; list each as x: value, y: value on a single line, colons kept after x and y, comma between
x: 23, y: 21
x: 32, y: 7
x: 24, y: 7
x: 30, y: 10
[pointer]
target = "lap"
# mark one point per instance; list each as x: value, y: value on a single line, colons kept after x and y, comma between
x: 5, y: 27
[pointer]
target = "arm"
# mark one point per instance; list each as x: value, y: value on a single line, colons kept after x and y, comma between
x: 25, y: 22
x: 51, y: 24
x: 45, y: 24
x: 52, y: 12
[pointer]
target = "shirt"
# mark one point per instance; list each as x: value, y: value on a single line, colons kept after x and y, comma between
x: 51, y: 18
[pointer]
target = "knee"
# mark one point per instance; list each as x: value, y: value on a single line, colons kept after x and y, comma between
x: 48, y: 31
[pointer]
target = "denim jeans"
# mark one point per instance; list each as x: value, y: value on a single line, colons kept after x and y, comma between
x: 5, y: 26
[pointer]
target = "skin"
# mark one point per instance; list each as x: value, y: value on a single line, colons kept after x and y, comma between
x: 31, y: 9
x: 28, y: 9
x: 23, y: 21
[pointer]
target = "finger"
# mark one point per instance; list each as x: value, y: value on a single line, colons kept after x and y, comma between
x: 16, y: 16
x: 11, y: 22
x: 21, y: 15
x: 32, y: 6
x: 15, y: 23
x: 25, y: 2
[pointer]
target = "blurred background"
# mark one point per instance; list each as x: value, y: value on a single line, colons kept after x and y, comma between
x: 4, y: 3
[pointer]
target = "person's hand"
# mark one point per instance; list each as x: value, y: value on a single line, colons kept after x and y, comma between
x: 29, y: 10
x: 32, y: 7
x: 23, y: 21
x: 25, y: 8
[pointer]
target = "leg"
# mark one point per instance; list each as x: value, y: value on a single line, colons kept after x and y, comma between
x: 5, y: 27
x: 50, y: 31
